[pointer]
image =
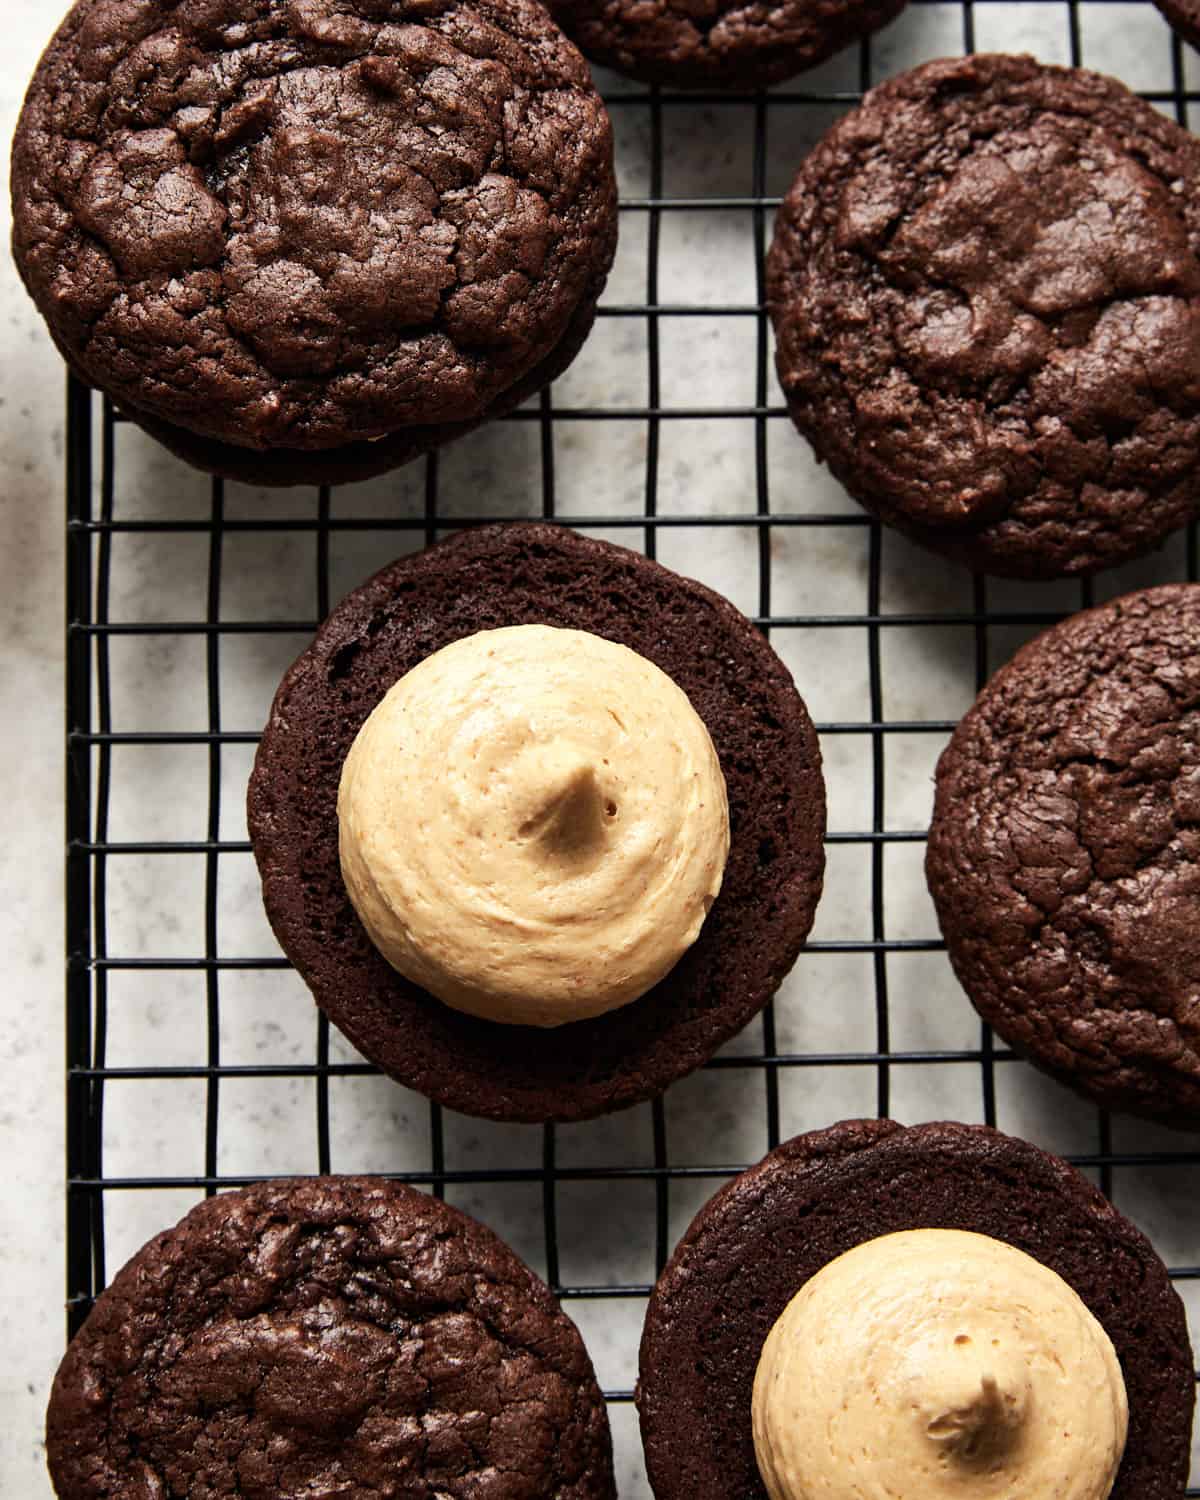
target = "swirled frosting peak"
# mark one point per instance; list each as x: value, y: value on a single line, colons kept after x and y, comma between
x: 533, y: 825
x: 935, y: 1364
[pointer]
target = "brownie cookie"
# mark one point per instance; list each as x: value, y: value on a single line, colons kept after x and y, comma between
x: 1184, y: 16
x: 352, y: 462
x: 718, y: 44
x: 766, y: 1233
x: 985, y: 284
x: 337, y: 1335
x: 303, y: 224
x: 1064, y: 857
x: 513, y: 575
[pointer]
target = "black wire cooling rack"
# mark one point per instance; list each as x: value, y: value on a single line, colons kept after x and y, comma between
x: 100, y: 520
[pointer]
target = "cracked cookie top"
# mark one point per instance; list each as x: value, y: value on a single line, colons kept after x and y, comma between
x: 719, y: 44
x: 1064, y: 857
x: 326, y: 1336
x: 304, y: 222
x: 985, y: 285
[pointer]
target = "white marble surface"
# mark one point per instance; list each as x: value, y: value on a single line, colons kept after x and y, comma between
x: 31, y: 859
x: 156, y: 905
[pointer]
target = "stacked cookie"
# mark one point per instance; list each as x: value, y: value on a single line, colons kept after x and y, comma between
x: 307, y: 242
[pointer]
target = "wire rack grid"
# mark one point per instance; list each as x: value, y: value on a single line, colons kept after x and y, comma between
x: 195, y: 1062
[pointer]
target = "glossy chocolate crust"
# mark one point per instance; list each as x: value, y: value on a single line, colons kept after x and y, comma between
x: 328, y: 1336
x: 753, y: 1246
x: 1064, y: 856
x: 352, y: 462
x: 537, y: 573
x: 718, y: 44
x: 985, y: 284
x: 301, y: 224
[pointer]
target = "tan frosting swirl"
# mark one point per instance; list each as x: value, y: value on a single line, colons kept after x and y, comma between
x: 935, y: 1363
x: 533, y: 825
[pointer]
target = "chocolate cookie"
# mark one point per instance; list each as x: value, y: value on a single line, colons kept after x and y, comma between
x: 985, y: 284
x: 337, y: 1335
x: 718, y: 44
x: 1064, y: 857
x: 353, y: 462
x: 764, y: 1235
x: 312, y: 224
x: 512, y: 575
x: 1184, y: 16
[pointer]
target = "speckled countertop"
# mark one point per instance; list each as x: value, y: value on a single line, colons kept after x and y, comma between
x: 827, y: 1005
x: 31, y: 858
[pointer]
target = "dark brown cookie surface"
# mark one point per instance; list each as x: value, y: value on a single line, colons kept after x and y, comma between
x: 985, y: 285
x: 1184, y: 16
x: 768, y: 750
x: 352, y: 462
x: 301, y: 223
x: 1064, y: 856
x: 328, y: 1336
x: 718, y: 44
x: 763, y: 1236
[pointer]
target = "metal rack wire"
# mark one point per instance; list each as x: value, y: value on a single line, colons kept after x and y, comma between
x: 97, y: 520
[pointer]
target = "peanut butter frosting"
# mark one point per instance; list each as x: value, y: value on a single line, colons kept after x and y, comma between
x: 935, y: 1364
x: 533, y: 825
